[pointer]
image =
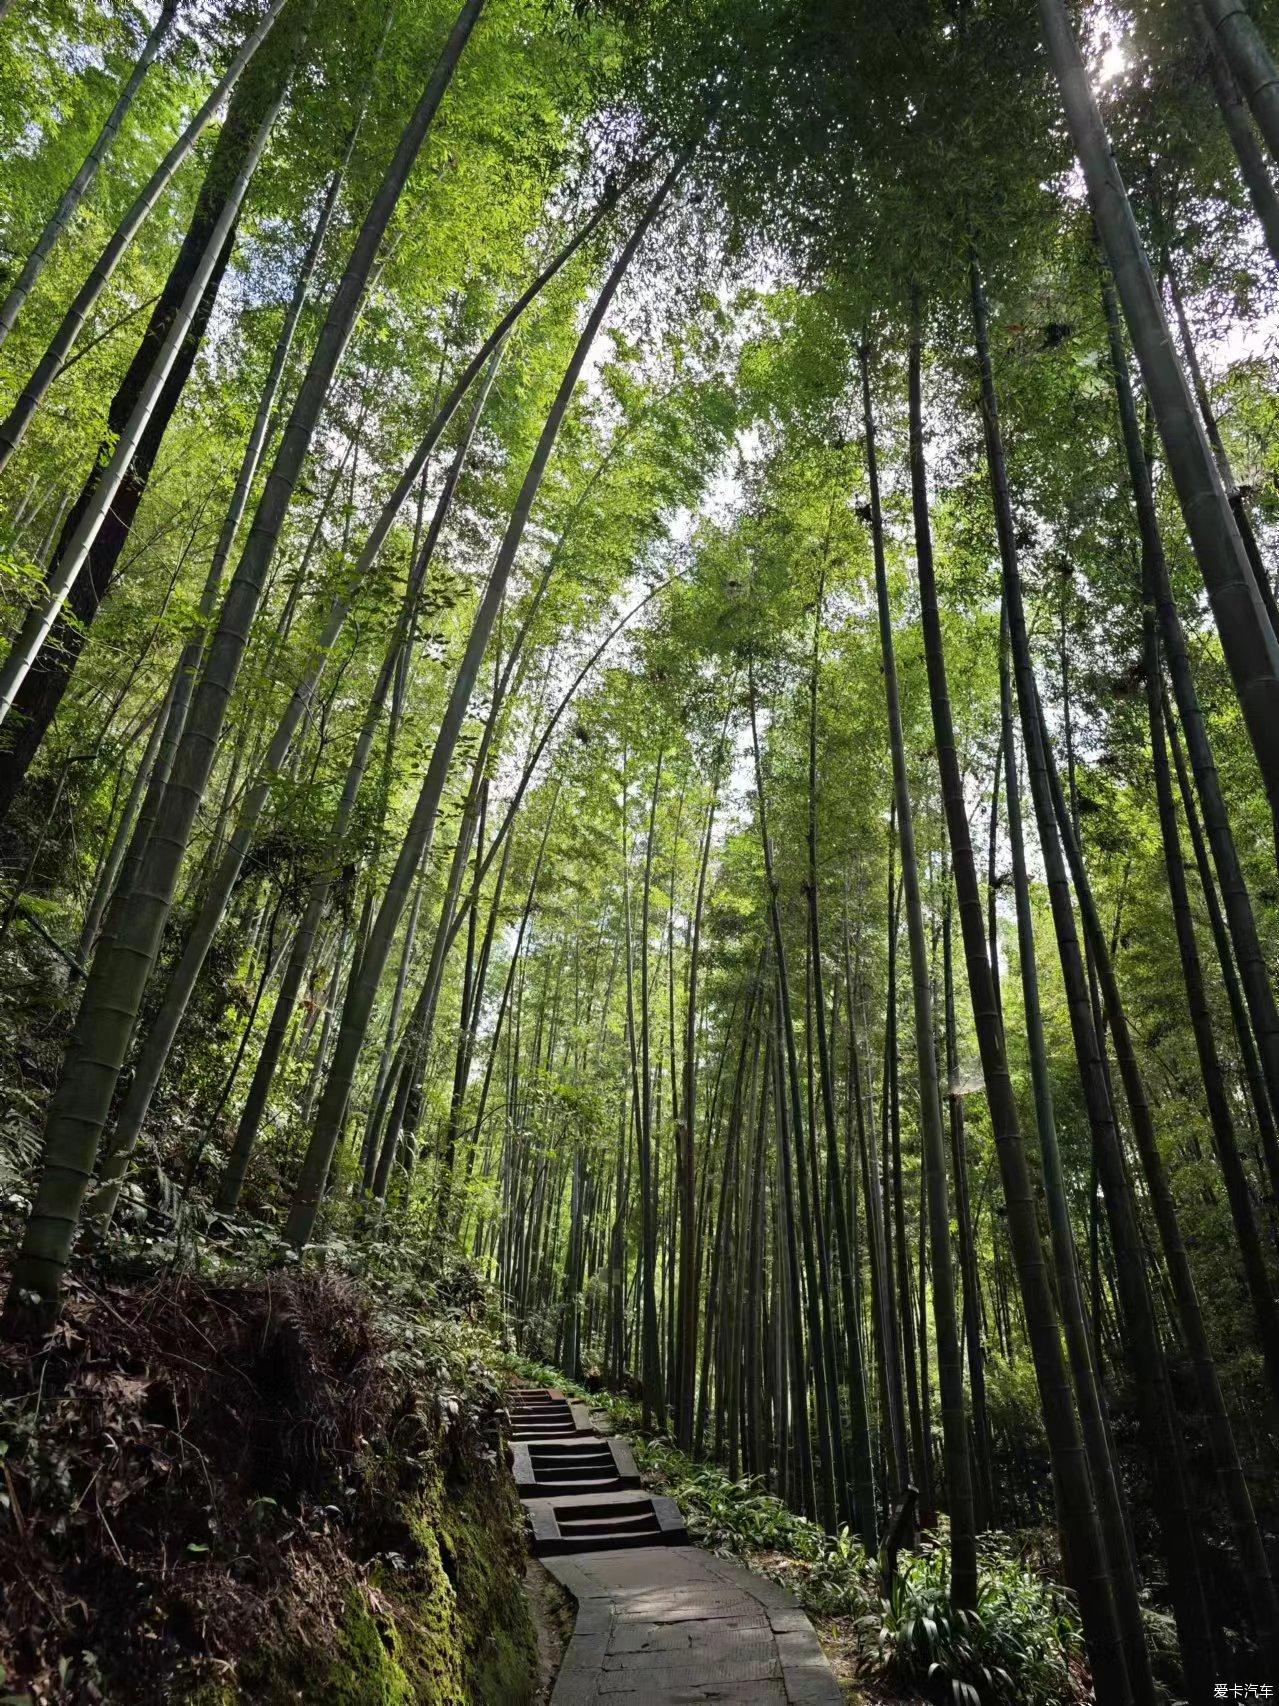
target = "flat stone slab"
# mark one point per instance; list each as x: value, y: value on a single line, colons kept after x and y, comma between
x: 673, y: 1627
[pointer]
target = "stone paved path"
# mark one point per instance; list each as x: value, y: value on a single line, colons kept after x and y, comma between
x: 664, y: 1626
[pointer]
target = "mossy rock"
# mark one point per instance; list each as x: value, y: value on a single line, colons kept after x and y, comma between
x: 391, y: 1660
x: 387, y: 1652
x: 449, y: 1625
x: 482, y: 1550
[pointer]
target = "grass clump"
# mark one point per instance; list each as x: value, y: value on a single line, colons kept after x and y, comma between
x: 1021, y: 1646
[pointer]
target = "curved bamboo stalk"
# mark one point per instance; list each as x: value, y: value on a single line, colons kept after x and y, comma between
x: 79, y: 186
x: 117, y: 980
x: 72, y: 558
x: 59, y: 347
x: 1248, y: 641
x: 358, y: 1006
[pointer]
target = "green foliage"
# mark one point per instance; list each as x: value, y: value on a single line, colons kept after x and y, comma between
x: 1021, y: 1646
x: 710, y: 481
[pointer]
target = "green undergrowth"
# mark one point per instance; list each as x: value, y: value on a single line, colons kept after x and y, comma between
x: 1022, y: 1646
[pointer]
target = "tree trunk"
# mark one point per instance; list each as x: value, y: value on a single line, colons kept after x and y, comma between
x: 1159, y: 1418
x: 862, y: 1490
x: 742, y: 1106
x: 358, y: 1006
x: 54, y: 357
x: 318, y: 895
x: 1234, y: 496
x: 959, y: 1492
x: 143, y: 401
x: 984, y: 1488
x: 1238, y: 1191
x: 187, y: 670
x: 1253, y: 1076
x: 651, y: 1358
x: 1252, y: 63
x: 1076, y: 1504
x: 78, y: 188
x: 1243, y: 139
x: 1234, y: 1487
x: 1154, y: 573
x: 110, y: 870
x: 686, y: 1371
x: 113, y: 994
x: 471, y: 1033
x: 1084, y: 1365
x: 159, y: 1040
x: 468, y: 1018
x: 784, y: 1202
x: 46, y: 683
x: 1249, y: 643
x: 879, y: 1159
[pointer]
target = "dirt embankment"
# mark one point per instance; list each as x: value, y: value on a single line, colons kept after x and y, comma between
x: 214, y: 1494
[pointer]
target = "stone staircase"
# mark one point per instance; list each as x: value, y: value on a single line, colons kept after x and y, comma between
x: 547, y: 1415
x: 580, y: 1489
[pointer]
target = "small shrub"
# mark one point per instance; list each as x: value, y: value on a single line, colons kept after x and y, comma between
x: 1020, y: 1647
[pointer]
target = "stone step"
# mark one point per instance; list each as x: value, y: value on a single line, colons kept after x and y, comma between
x: 552, y: 1488
x: 618, y: 1543
x: 544, y: 1466
x: 588, y: 1523
x: 573, y: 1471
x: 571, y: 1422
x: 544, y: 1408
x: 581, y: 1450
x: 633, y: 1522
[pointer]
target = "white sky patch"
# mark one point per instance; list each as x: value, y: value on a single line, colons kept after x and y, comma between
x: 1114, y: 63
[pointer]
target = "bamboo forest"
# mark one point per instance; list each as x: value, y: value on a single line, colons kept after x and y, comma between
x: 639, y: 852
